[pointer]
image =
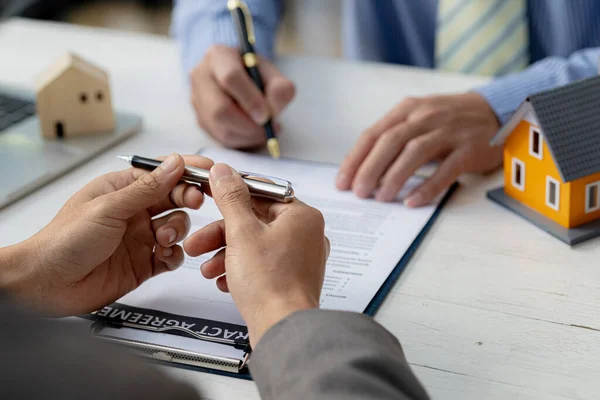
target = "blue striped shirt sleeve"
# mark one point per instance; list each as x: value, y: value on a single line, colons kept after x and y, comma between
x: 199, y: 24
x: 506, y: 93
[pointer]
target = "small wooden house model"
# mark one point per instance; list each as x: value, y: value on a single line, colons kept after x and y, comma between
x: 552, y: 161
x: 74, y: 98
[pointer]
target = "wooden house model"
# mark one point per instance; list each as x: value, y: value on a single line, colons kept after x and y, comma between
x: 552, y: 161
x: 74, y: 98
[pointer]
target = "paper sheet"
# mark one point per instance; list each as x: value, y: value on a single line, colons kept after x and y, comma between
x: 367, y: 241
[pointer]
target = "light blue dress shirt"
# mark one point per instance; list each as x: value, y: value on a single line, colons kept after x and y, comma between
x: 564, y: 38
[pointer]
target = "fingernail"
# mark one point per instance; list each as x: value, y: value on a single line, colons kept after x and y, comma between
x: 219, y: 171
x: 172, y: 234
x: 173, y: 267
x: 362, y: 191
x: 342, y: 180
x: 414, y: 200
x: 170, y: 164
x: 259, y: 115
x: 167, y: 252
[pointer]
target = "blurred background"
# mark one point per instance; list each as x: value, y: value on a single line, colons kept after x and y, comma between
x: 310, y: 27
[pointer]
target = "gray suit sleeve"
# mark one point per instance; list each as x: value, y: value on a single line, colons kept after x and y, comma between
x: 45, y: 359
x: 332, y: 355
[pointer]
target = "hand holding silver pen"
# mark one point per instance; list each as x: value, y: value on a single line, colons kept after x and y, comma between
x: 259, y: 185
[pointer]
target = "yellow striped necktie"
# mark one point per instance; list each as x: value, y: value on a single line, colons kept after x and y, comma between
x: 486, y: 37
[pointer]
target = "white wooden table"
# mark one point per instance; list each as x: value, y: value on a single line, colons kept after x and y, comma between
x: 490, y: 307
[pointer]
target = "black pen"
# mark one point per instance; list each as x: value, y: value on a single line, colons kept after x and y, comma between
x: 259, y: 185
x: 245, y: 29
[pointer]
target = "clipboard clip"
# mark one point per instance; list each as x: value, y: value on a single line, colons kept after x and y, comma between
x: 238, y: 344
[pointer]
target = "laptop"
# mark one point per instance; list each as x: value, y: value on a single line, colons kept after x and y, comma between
x: 28, y: 161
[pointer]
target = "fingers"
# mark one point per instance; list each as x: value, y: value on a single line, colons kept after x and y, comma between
x: 222, y: 284
x: 171, y: 229
x: 230, y: 74
x: 220, y: 115
x: 229, y: 105
x: 191, y: 160
x: 446, y: 174
x: 189, y: 196
x: 184, y: 195
x: 209, y: 238
x: 144, y: 192
x: 296, y: 208
x: 214, y: 267
x: 416, y: 153
x: 279, y: 90
x: 212, y: 236
x: 262, y: 208
x: 367, y: 141
x: 166, y: 259
x: 118, y: 180
x: 352, y: 162
x: 385, y: 151
x: 232, y: 197
x: 268, y: 211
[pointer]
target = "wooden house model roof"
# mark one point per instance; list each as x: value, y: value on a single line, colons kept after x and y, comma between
x: 569, y: 117
x: 65, y: 63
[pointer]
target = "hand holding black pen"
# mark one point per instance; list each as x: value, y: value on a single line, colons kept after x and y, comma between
x: 245, y: 29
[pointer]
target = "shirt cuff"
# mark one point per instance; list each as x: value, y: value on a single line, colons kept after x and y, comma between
x: 505, y: 95
x: 206, y: 32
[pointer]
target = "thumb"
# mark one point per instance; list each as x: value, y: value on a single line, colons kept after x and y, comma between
x: 148, y: 189
x: 231, y: 194
x: 279, y: 90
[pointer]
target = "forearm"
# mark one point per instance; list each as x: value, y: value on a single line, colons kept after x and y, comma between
x: 199, y: 24
x: 332, y: 355
x: 19, y: 271
x: 505, y: 94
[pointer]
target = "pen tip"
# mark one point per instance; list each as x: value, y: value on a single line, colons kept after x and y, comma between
x: 273, y: 146
x: 125, y: 158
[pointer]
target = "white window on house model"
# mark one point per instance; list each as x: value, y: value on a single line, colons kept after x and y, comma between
x: 552, y: 193
x: 536, y: 142
x: 592, y: 197
x: 518, y: 174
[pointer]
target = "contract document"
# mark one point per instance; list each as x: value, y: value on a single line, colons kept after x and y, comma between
x: 368, y: 239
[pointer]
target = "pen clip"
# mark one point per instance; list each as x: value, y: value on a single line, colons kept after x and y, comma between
x: 266, y: 178
x: 232, y: 5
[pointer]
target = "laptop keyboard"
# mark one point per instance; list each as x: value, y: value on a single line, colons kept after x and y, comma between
x: 14, y: 110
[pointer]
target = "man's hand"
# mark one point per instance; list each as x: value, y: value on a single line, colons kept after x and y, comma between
x: 106, y: 240
x: 272, y: 256
x: 456, y: 129
x: 228, y: 104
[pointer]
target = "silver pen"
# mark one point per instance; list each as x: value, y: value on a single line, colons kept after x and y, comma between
x: 259, y: 185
